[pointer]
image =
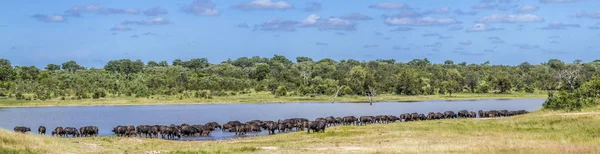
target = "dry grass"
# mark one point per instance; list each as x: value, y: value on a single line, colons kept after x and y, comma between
x: 539, y: 132
x: 254, y: 98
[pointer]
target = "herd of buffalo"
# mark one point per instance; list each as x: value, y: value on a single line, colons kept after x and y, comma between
x: 295, y: 124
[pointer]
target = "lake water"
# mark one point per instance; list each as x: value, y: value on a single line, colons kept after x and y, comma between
x: 107, y: 117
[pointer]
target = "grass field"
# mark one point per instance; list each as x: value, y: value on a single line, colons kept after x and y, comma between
x: 538, y: 132
x: 261, y: 97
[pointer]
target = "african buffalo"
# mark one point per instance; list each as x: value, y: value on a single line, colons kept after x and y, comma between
x: 42, y: 130
x: 366, y: 120
x: 71, y: 131
x: 349, y: 120
x: 450, y: 115
x: 58, y: 131
x: 88, y: 131
x: 317, y: 126
x: 22, y: 129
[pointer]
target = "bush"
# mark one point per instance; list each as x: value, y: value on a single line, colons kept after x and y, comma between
x: 483, y: 88
x: 81, y: 94
x: 99, y: 94
x: 429, y: 90
x: 142, y: 93
x: 568, y: 101
x: 281, y: 91
x: 304, y: 90
x: 346, y: 91
x: 206, y: 94
x: 529, y: 89
x: 586, y: 96
x: 20, y: 96
x: 259, y: 87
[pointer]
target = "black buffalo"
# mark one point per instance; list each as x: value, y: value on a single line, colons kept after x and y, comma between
x: 22, y: 129
x: 42, y: 130
x: 317, y: 126
x: 71, y: 131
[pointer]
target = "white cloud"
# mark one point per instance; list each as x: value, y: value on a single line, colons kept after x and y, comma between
x: 401, y: 29
x: 46, y: 18
x: 356, y: 16
x: 557, y: 25
x: 593, y: 14
x: 528, y: 9
x: 465, y: 42
x: 322, y: 44
x: 485, y: 6
x: 441, y: 10
x: 156, y: 11
x: 558, y: 1
x: 463, y: 13
x: 328, y: 24
x: 130, y: 11
x: 370, y: 46
x: 312, y: 21
x: 480, y: 27
x: 313, y: 7
x: 509, y: 18
x: 152, y: 21
x: 242, y: 25
x: 389, y: 6
x: 425, y: 21
x: 120, y: 27
x: 263, y: 5
x: 201, y: 8
x: 77, y: 10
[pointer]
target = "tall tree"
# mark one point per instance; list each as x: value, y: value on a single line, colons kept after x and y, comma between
x: 71, y: 66
x: 196, y: 64
x: 52, y: 67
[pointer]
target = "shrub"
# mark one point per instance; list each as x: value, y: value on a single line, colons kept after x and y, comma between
x: 281, y: 91
x: 19, y: 96
x: 346, y: 91
x: 586, y: 96
x: 99, y: 94
x: 529, y: 89
x: 259, y: 87
x: 483, y: 88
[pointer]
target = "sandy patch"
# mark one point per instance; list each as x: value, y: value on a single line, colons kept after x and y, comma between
x: 269, y: 148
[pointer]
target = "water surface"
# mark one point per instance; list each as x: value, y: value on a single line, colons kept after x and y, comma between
x: 107, y: 117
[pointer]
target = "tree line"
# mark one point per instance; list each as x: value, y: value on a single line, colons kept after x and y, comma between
x: 284, y: 77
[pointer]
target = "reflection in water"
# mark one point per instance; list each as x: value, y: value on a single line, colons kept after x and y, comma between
x: 107, y: 117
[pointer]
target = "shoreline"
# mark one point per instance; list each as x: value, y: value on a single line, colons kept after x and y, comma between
x: 256, y: 99
x: 528, y: 133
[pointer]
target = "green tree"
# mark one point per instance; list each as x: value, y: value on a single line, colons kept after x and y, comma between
x: 449, y: 62
x: 52, y: 67
x: 261, y: 72
x: 303, y: 59
x: 196, y: 64
x: 451, y: 86
x: 71, y: 66
x: 6, y: 70
x: 125, y: 66
x: 472, y: 80
x: 502, y: 82
x: 177, y: 62
x: 152, y: 64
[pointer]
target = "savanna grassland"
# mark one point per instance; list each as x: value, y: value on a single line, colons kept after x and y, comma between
x: 537, y: 132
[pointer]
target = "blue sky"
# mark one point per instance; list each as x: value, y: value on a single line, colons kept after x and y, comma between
x: 38, y: 32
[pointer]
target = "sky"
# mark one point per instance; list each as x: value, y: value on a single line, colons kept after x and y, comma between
x: 92, y: 32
